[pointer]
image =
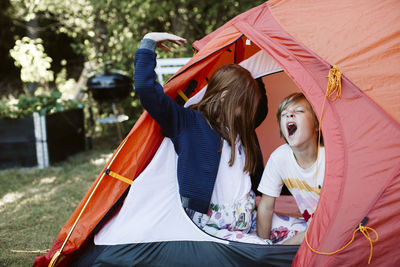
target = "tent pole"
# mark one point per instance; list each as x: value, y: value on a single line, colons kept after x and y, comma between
x: 58, y: 253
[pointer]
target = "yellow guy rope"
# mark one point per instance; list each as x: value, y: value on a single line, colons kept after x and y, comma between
x: 58, y: 253
x: 333, y: 92
x: 334, y: 85
x: 29, y: 251
x: 363, y: 230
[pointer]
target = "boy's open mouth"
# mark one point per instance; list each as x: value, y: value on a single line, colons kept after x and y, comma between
x: 291, y: 127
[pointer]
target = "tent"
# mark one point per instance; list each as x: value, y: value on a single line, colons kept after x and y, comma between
x: 361, y: 130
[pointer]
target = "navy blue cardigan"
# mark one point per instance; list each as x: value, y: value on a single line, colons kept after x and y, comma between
x: 196, y: 143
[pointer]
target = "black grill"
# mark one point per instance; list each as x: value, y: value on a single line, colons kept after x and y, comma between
x: 110, y: 86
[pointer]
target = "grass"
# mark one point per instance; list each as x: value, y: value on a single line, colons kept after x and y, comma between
x: 36, y: 203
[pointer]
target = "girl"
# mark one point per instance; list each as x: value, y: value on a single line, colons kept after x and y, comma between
x: 214, y: 140
x: 215, y: 150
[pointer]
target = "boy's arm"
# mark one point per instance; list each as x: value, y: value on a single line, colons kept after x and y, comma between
x: 265, y: 211
x: 295, y: 240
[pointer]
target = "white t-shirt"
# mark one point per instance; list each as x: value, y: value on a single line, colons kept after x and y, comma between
x: 282, y: 168
x: 231, y: 184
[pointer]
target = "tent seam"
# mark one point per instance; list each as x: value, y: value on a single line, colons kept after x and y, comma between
x: 327, y: 65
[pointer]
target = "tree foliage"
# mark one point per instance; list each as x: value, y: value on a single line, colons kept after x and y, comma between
x: 79, y: 33
x: 110, y: 30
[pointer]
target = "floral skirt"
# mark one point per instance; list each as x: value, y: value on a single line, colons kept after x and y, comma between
x: 235, y: 222
x: 284, y: 227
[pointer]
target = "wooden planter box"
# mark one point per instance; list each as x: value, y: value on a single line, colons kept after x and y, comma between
x: 41, y: 140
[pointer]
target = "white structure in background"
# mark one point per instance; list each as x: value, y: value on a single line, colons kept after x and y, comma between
x: 164, y: 67
x: 169, y: 66
x: 42, y: 151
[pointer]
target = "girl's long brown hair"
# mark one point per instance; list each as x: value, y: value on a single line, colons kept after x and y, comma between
x: 229, y: 105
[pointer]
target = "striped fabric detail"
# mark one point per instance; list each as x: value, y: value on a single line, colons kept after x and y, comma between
x: 292, y: 183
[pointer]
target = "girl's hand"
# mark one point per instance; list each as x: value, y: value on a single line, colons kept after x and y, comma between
x: 161, y: 37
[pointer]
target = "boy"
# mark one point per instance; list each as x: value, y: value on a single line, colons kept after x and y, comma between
x: 295, y: 164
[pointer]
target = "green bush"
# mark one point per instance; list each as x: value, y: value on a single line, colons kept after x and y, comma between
x: 43, y: 103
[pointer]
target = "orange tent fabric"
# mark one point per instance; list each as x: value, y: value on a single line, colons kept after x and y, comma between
x: 361, y: 129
